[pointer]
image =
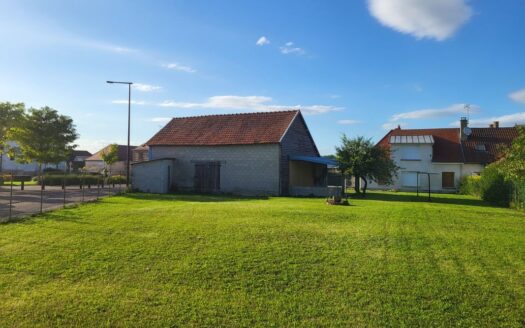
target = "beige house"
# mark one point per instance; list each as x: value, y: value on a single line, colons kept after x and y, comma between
x: 95, y: 164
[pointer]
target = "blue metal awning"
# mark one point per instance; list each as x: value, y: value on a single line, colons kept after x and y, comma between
x: 314, y: 159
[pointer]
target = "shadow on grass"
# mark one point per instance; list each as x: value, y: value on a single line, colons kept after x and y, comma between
x: 204, y: 198
x: 435, y: 198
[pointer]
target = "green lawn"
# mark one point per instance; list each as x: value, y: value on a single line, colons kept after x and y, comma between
x: 143, y: 260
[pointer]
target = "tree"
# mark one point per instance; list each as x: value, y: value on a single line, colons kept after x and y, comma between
x: 512, y: 164
x: 109, y: 156
x: 44, y: 136
x: 10, y: 117
x: 362, y: 159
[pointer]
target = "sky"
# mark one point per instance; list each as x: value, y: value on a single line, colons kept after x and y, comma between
x: 357, y: 67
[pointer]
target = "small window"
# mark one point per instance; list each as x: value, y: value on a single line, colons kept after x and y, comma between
x: 410, y: 153
x: 481, y: 147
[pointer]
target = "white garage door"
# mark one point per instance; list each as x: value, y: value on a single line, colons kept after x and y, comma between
x: 409, y: 179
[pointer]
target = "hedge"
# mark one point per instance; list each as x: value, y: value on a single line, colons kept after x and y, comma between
x: 75, y: 180
x: 494, y: 188
x: 470, y: 185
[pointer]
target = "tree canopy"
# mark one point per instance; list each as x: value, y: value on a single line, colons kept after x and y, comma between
x: 512, y: 165
x: 364, y: 160
x: 44, y: 136
x: 10, y: 117
x: 110, y: 156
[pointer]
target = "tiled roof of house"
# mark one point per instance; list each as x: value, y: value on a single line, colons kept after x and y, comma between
x: 446, y: 142
x: 448, y: 148
x: 229, y: 129
x: 122, y: 153
x: 491, y: 139
x: 75, y: 153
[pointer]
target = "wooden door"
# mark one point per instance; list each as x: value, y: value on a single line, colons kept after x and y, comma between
x: 207, y: 177
x: 447, y: 180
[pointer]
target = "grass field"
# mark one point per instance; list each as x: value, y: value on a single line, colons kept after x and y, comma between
x: 143, y: 260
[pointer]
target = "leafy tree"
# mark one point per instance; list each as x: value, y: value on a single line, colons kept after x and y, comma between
x: 44, y: 136
x: 10, y: 117
x: 109, y: 156
x: 512, y: 165
x: 362, y: 159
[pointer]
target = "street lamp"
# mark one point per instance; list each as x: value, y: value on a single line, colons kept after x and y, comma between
x: 129, y: 119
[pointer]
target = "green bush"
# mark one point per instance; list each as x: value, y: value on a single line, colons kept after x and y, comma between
x: 117, y: 179
x: 70, y: 180
x: 518, y: 195
x: 470, y: 185
x: 494, y: 189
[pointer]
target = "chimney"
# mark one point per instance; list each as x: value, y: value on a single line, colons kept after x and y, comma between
x: 463, y: 123
x: 496, y: 124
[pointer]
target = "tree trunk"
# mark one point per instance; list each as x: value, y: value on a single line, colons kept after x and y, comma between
x: 365, y: 186
x: 357, y: 184
x: 1, y: 161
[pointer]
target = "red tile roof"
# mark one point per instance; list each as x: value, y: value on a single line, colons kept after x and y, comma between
x: 122, y: 153
x: 229, y: 129
x: 447, y: 147
x: 492, y: 139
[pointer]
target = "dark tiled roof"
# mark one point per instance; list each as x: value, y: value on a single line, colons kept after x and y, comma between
x: 493, y: 139
x: 75, y: 153
x: 230, y: 129
x: 448, y: 148
x: 122, y: 153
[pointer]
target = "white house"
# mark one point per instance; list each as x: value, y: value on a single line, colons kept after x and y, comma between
x: 441, y: 157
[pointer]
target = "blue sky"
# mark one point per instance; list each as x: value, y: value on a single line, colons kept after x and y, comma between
x: 356, y: 67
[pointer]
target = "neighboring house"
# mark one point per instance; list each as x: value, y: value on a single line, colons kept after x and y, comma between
x: 270, y: 153
x: 12, y: 166
x: 77, y: 159
x: 140, y: 154
x: 95, y: 163
x: 443, y: 156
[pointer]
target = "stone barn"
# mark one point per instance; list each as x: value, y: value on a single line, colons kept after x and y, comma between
x: 268, y: 153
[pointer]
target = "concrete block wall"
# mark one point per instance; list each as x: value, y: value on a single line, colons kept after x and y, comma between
x: 153, y: 176
x: 245, y: 169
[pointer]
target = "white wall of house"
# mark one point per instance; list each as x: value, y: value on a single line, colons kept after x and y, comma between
x: 418, y: 157
x: 245, y: 169
x: 153, y: 176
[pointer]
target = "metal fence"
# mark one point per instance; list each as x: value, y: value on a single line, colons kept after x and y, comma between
x: 19, y: 198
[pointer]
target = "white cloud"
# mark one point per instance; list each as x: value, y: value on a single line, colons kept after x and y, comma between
x: 434, y: 19
x: 179, y: 67
x: 451, y: 110
x: 262, y: 41
x: 249, y: 103
x: 290, y: 48
x: 518, y: 96
x: 145, y: 87
x: 348, y: 122
x: 504, y: 120
x: 161, y: 119
x: 125, y: 102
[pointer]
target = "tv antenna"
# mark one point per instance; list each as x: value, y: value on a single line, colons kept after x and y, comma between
x: 467, y: 109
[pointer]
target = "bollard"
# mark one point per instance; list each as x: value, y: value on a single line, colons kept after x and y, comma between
x: 22, y: 185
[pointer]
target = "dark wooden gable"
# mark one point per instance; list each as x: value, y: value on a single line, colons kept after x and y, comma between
x: 297, y: 140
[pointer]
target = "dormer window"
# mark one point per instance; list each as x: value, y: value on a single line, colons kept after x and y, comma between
x: 481, y: 147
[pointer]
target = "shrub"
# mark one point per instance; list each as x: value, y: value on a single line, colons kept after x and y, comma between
x: 70, y: 180
x: 117, y: 179
x: 494, y: 189
x: 52, y: 171
x: 470, y: 185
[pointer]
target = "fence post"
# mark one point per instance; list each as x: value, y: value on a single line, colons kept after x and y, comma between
x: 82, y: 186
x: 11, y: 198
x: 64, y: 188
x: 98, y: 187
x: 42, y: 187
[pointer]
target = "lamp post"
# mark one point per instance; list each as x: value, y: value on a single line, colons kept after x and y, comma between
x: 129, y: 124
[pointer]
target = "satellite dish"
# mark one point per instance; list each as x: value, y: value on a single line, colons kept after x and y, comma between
x: 467, y: 131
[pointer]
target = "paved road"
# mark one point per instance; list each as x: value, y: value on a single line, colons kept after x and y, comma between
x: 27, y: 202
